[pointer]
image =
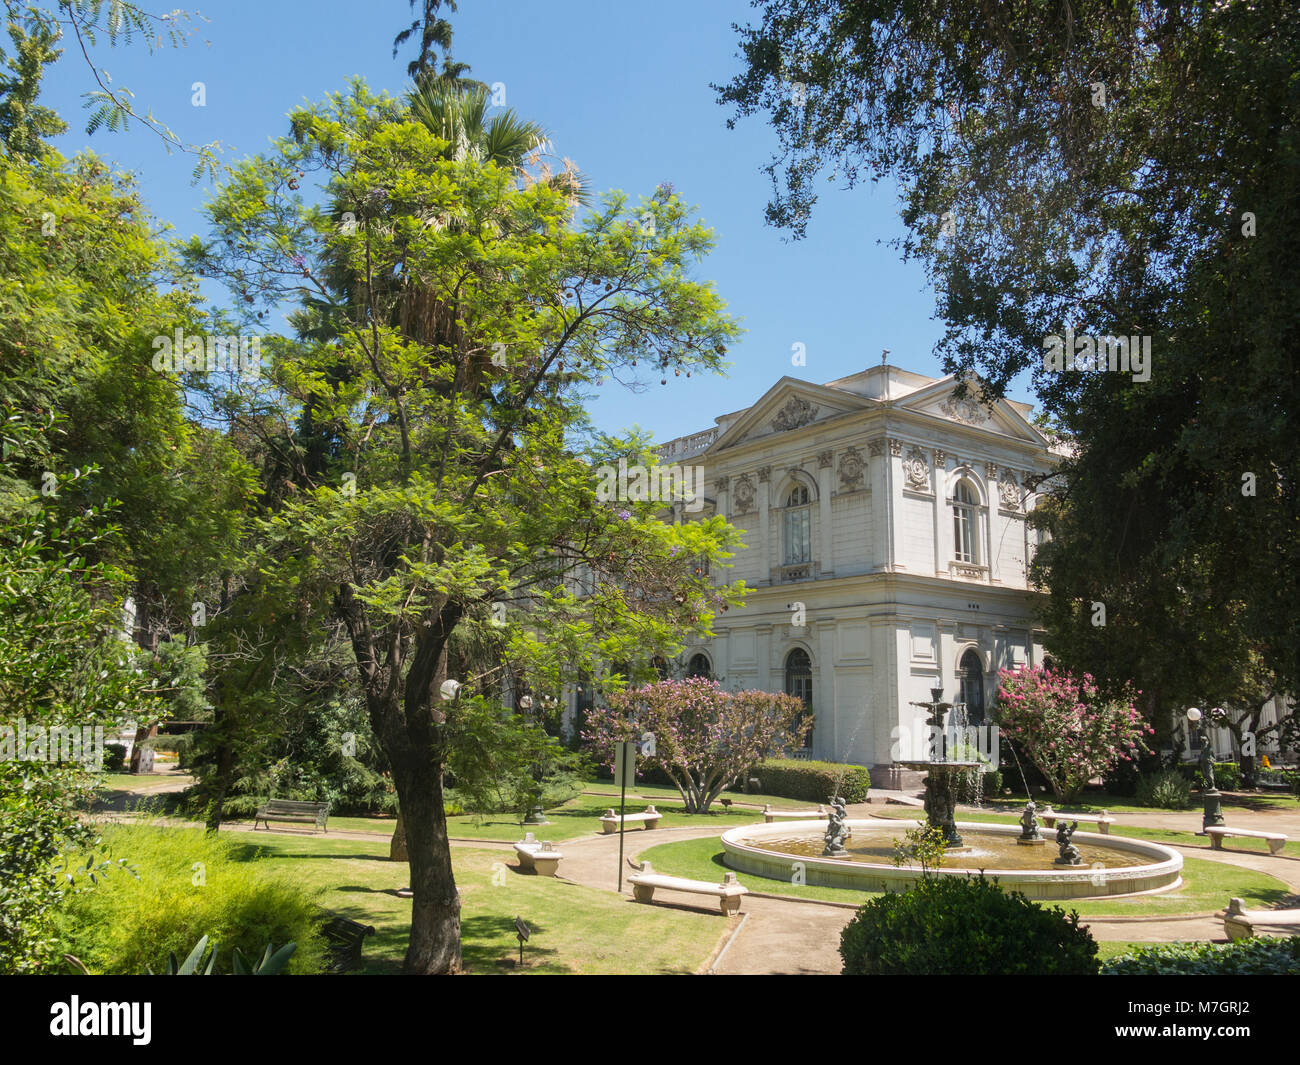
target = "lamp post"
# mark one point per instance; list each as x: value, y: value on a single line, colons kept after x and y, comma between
x: 1209, y: 793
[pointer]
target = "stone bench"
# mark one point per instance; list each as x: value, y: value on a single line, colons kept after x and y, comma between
x: 769, y: 815
x: 540, y: 858
x: 1240, y: 922
x: 1103, y: 820
x: 1276, y: 840
x: 609, y: 823
x: 287, y: 810
x: 729, y: 892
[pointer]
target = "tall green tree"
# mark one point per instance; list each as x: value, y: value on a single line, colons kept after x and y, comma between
x: 464, y: 485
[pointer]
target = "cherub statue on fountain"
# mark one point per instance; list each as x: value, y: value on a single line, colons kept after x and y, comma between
x: 1029, y: 824
x: 1064, y: 840
x: 836, y: 833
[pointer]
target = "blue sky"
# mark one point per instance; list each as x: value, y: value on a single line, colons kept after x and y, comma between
x: 624, y: 91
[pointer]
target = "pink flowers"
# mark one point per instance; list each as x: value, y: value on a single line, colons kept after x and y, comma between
x: 1068, y: 731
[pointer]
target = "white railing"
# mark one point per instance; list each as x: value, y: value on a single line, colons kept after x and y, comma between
x: 684, y: 446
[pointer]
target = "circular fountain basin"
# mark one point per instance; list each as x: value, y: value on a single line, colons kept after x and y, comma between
x: 1111, y: 866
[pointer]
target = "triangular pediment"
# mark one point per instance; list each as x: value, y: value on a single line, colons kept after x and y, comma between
x: 1001, y: 416
x: 787, y: 406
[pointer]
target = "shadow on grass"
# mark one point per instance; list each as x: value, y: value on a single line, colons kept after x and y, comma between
x: 247, y: 851
x: 483, y: 949
x: 1257, y: 802
x: 121, y: 800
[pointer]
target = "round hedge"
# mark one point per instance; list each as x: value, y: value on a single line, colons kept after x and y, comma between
x: 966, y: 926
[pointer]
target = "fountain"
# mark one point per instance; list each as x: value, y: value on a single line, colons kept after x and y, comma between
x: 1108, y: 865
x: 942, y: 775
x: 859, y: 854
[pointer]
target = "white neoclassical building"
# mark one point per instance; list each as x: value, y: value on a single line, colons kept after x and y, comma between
x: 886, y: 547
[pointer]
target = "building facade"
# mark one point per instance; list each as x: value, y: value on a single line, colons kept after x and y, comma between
x: 886, y: 550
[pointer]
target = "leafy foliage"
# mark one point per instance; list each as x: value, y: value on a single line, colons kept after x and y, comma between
x: 501, y: 761
x: 190, y: 884
x: 61, y: 664
x: 1246, y: 957
x: 1066, y: 727
x: 949, y: 925
x: 1169, y: 790
x: 702, y: 736
x: 926, y: 845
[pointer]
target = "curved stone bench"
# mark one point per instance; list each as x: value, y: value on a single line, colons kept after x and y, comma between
x: 729, y: 892
x: 1240, y: 922
x: 1276, y: 840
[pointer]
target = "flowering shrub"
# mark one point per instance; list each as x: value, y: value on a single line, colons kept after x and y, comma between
x: 1069, y: 732
x: 700, y: 735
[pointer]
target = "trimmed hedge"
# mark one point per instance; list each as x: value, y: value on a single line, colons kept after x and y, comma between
x: 114, y: 757
x: 964, y: 926
x: 790, y: 778
x: 1247, y: 957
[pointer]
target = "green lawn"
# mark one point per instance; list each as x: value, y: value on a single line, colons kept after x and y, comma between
x: 1108, y: 950
x: 577, y: 817
x: 132, y: 781
x: 574, y: 929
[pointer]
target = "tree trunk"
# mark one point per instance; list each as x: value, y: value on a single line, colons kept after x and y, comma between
x: 434, y: 948
x: 1249, y: 778
x: 225, y: 774
x: 397, y: 845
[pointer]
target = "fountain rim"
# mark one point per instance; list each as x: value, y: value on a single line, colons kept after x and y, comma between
x: 1169, y: 863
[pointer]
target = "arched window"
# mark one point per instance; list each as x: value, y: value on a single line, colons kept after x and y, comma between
x: 965, y: 524
x: 798, y: 526
x: 798, y: 682
x: 972, y: 687
x: 699, y: 666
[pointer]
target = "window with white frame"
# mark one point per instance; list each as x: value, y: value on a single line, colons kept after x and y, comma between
x: 798, y: 526
x: 965, y: 523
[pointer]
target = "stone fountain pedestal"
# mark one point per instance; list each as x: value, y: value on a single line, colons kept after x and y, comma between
x: 941, y: 795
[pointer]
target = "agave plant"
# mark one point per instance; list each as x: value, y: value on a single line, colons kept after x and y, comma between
x: 272, y: 964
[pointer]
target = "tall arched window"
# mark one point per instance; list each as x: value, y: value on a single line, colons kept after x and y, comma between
x: 798, y: 526
x: 798, y: 682
x: 699, y: 666
x: 965, y: 523
x: 972, y: 687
